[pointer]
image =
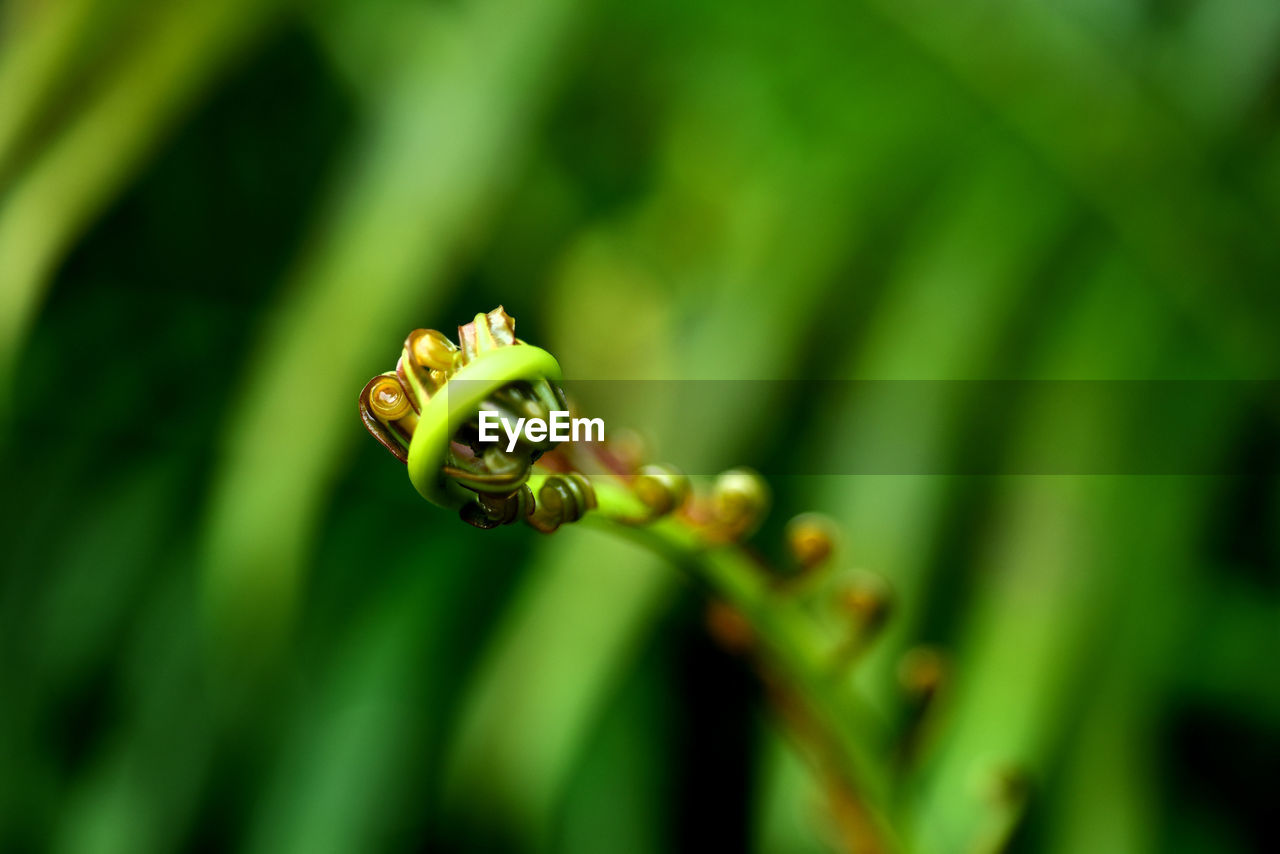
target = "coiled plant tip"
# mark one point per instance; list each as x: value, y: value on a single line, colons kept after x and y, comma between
x: 426, y: 414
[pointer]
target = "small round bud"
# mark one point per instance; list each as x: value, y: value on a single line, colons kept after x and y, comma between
x: 561, y: 500
x: 661, y: 488
x: 739, y: 501
x: 433, y: 350
x: 811, y: 538
x: 867, y: 598
x: 729, y: 627
x: 921, y: 671
x: 491, y: 510
x: 388, y: 400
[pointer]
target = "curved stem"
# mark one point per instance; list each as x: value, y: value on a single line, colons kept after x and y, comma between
x: 457, y: 402
x: 795, y: 660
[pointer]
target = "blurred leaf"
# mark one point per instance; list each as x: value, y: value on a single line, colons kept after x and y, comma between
x: 83, y: 167
x: 566, y: 644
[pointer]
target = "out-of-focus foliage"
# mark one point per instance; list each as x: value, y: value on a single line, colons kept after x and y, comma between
x: 228, y: 623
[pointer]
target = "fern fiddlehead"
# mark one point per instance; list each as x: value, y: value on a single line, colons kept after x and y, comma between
x: 426, y: 413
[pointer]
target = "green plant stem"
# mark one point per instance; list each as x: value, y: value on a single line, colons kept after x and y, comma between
x: 795, y: 658
x: 791, y: 649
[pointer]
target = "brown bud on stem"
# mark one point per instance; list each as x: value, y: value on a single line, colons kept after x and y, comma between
x: 490, y: 510
x: 866, y: 601
x: 729, y: 627
x: 739, y: 501
x: 811, y: 539
x: 661, y: 488
x: 867, y: 598
x: 921, y: 672
x: 561, y: 500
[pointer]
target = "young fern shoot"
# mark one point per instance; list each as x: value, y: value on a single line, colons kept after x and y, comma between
x: 430, y: 413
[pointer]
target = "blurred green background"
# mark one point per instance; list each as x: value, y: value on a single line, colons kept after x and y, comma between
x: 227, y: 623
